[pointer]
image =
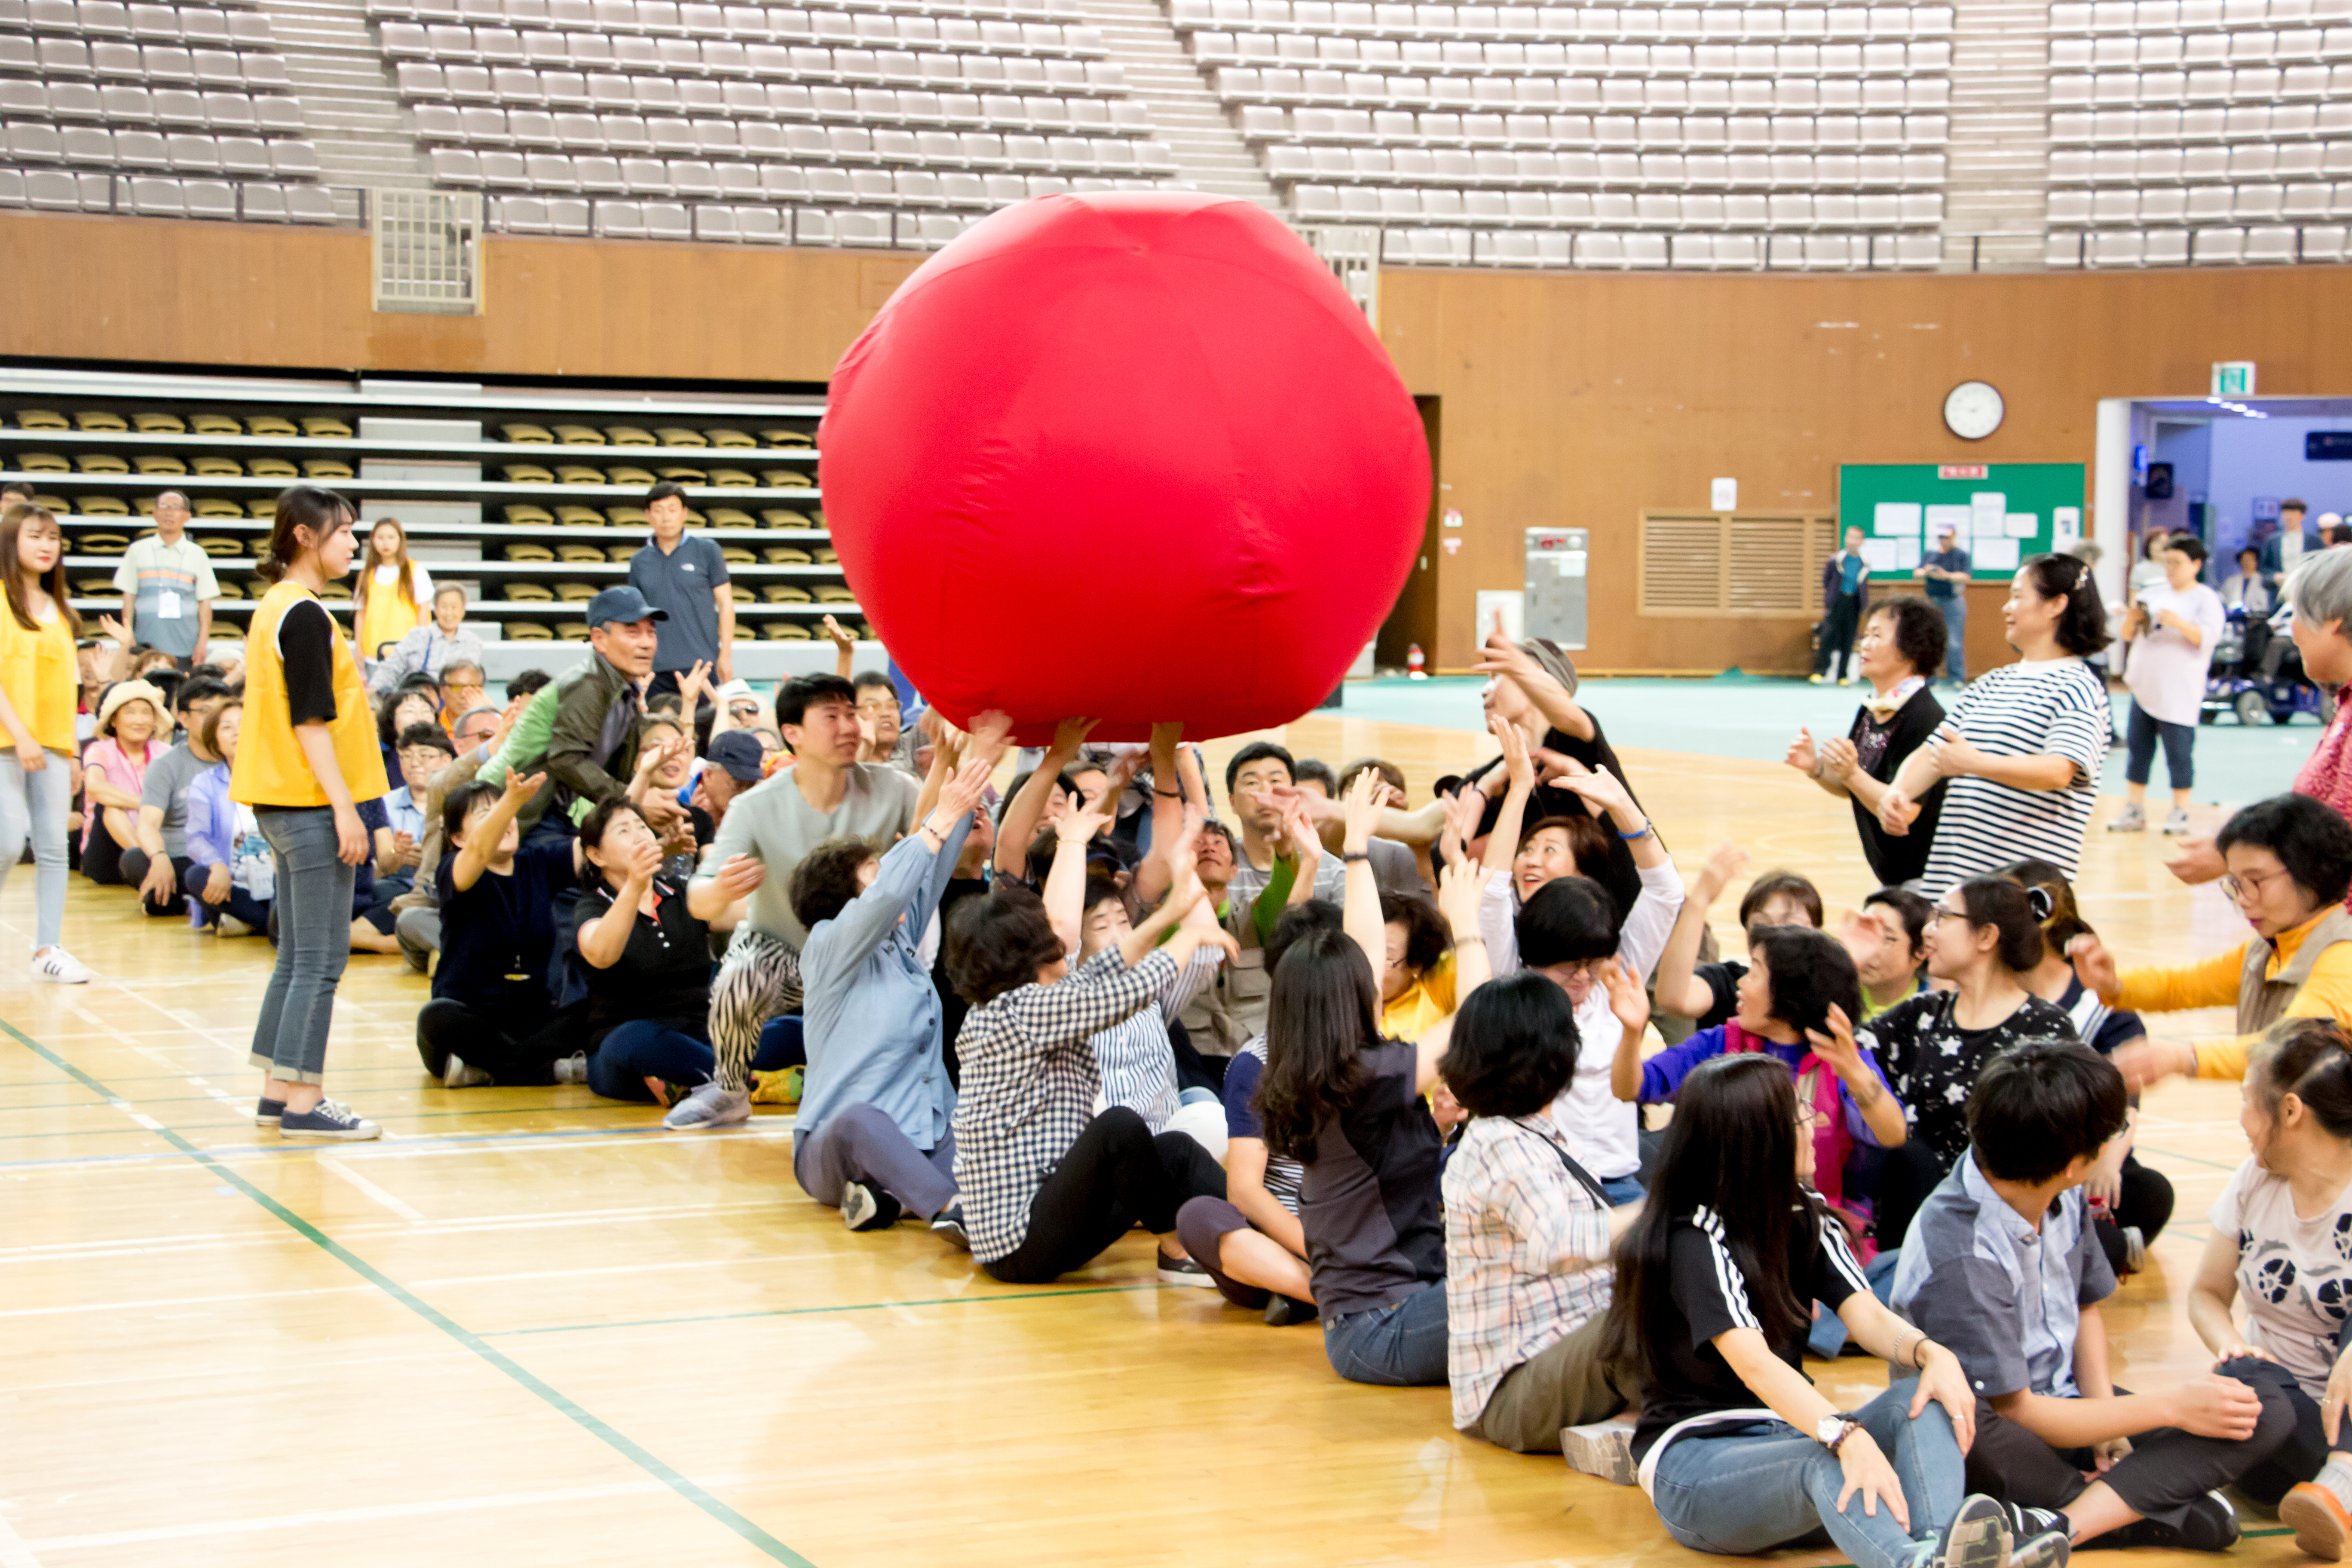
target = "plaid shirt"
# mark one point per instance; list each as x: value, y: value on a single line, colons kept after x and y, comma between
x: 1029, y: 1086
x: 1514, y: 1222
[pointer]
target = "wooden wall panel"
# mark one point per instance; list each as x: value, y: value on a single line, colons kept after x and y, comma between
x: 1566, y: 399
x: 1579, y: 400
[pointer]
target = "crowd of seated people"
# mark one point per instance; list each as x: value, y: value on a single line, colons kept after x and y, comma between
x: 1385, y: 1065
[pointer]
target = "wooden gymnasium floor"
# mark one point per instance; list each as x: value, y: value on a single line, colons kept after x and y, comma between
x: 528, y: 1328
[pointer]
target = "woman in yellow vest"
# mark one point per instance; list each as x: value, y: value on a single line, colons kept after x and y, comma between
x: 391, y: 593
x: 2290, y: 861
x: 306, y: 757
x: 38, y: 629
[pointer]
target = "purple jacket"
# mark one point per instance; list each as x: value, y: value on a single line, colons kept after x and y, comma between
x: 1830, y: 577
x: 212, y: 818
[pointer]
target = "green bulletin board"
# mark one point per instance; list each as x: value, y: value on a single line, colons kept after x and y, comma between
x: 2004, y: 512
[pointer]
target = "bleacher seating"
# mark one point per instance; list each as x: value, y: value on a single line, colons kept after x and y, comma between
x: 156, y: 111
x: 2199, y: 131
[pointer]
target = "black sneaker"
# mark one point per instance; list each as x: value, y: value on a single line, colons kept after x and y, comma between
x: 1978, y: 1537
x: 266, y: 1111
x: 864, y: 1207
x: 948, y: 1226
x: 2211, y: 1525
x: 1282, y: 1311
x: 2041, y: 1537
x: 1183, y: 1272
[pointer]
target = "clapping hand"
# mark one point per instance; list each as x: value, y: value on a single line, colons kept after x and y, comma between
x: 1896, y: 812
x: 1839, y: 758
x: 1803, y: 755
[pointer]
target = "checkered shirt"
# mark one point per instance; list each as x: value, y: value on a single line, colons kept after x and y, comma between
x: 1030, y: 1084
x: 1514, y: 1222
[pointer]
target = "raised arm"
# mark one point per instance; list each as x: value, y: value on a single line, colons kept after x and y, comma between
x: 1505, y: 657
x: 1019, y: 824
x: 1066, y: 883
x: 1176, y: 788
x: 1881, y: 1112
x: 482, y: 837
x: 604, y: 940
x: 1606, y: 796
x: 844, y: 648
x: 1361, y: 914
x: 1813, y: 761
x: 1679, y: 991
x: 1461, y: 893
x: 1519, y: 767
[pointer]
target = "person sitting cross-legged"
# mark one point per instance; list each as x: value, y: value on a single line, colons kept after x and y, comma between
x: 873, y: 1136
x: 2000, y: 1266
x: 231, y: 871
x: 1528, y: 1228
x: 1046, y: 1184
x: 490, y: 998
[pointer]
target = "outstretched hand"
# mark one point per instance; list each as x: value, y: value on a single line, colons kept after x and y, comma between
x: 963, y: 789
x: 1803, y: 755
x: 1363, y: 808
x: 1628, y: 1000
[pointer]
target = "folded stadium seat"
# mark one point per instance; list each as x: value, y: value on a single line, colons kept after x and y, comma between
x: 96, y: 543
x: 263, y: 506
x: 630, y: 516
x: 220, y: 544
x: 731, y: 517
x: 680, y: 475
x: 565, y: 89
x: 529, y: 592
x: 211, y: 467
x: 526, y: 474
x: 785, y: 517
x: 567, y: 216
x: 575, y: 592
x: 454, y: 166
x: 527, y: 631
x: 271, y: 469
x: 229, y: 590
x: 785, y: 554
x: 825, y: 556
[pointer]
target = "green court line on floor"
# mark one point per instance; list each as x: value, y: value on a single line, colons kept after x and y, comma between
x: 588, y: 1422
x: 604, y: 1107
x: 806, y: 1311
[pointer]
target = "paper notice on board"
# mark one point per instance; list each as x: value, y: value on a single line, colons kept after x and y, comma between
x: 1982, y: 501
x: 1941, y: 518
x: 2021, y: 524
x: 1987, y: 525
x: 1906, y: 555
x: 1895, y: 520
x: 1996, y: 555
x: 2066, y: 526
x: 1879, y: 554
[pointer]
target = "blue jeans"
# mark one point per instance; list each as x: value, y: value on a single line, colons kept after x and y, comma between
x: 239, y: 903
x: 314, y: 943
x: 34, y: 806
x: 1623, y: 1190
x: 1956, y: 637
x: 2142, y: 729
x: 1397, y: 1346
x: 641, y: 1048
x: 1766, y: 1486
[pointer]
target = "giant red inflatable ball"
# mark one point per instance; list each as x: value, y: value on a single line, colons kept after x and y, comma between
x: 1136, y: 458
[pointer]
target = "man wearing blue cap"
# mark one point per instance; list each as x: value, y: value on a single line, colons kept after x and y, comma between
x: 591, y: 750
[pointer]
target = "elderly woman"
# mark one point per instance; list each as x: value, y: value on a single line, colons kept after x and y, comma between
x: 2320, y: 590
x: 2290, y: 864
x: 434, y: 648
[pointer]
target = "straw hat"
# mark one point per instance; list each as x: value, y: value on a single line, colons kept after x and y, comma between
x: 123, y: 691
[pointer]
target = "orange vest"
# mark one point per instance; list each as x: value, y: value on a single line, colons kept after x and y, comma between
x: 270, y: 767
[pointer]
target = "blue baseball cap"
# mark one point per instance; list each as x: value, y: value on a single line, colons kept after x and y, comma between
x: 739, y: 751
x: 621, y: 603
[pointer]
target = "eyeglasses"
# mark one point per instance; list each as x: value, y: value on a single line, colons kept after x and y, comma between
x: 2246, y: 889
x: 1941, y: 914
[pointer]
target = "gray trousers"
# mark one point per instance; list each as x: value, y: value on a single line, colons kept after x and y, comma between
x: 1564, y: 1384
x: 859, y: 1143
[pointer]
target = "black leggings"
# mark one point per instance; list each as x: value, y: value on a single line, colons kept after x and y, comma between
x: 2306, y: 1447
x: 1115, y: 1175
x: 515, y: 1045
x: 101, y: 858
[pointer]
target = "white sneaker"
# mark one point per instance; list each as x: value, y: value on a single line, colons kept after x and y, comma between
x: 61, y: 966
x: 711, y: 1105
x: 2131, y: 820
x: 572, y: 1068
x: 455, y: 1074
x: 2177, y: 823
x: 229, y: 925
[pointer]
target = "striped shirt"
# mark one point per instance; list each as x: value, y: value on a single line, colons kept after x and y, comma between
x: 2049, y: 708
x: 1284, y: 1177
x: 1029, y: 1086
x: 1514, y: 1216
x: 1136, y: 1063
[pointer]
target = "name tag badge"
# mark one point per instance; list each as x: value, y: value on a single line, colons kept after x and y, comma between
x: 167, y: 605
x: 685, y: 566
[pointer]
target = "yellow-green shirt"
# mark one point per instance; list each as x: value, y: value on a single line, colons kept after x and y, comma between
x: 38, y: 673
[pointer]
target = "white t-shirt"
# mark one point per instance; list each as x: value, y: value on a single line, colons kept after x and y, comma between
x: 2167, y: 675
x: 420, y: 580
x: 2295, y: 1274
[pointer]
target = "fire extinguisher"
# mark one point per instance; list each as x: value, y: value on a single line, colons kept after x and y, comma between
x: 1415, y: 666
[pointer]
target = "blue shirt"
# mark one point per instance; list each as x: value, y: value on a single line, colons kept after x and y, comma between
x: 872, y: 1012
x: 1850, y: 572
x: 2002, y: 1296
x: 681, y: 583
x: 1952, y: 559
x: 1662, y: 1075
x: 406, y: 816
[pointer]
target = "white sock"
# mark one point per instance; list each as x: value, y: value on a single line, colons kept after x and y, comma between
x: 2337, y: 1477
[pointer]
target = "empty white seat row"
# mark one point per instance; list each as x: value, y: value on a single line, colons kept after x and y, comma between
x: 1498, y: 94
x: 719, y: 178
x: 61, y: 190
x: 2202, y: 203
x: 675, y: 221
x: 1664, y: 209
x: 184, y: 151
x: 747, y: 22
x: 2277, y: 121
x: 726, y: 139
x: 1268, y: 122
x: 1563, y: 23
x: 746, y: 100
x: 2160, y: 15
x: 113, y: 19
x: 2239, y: 161
x: 1470, y: 58
x: 901, y: 60
x: 2170, y: 51
x: 2247, y: 84
x: 1682, y: 252
x: 50, y: 57
x: 1410, y: 165
x: 218, y: 111
x: 2199, y: 247
x: 944, y: 73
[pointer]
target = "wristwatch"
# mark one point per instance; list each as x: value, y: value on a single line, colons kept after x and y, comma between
x: 1833, y: 1430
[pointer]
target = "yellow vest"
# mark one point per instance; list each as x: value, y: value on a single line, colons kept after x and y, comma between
x: 271, y: 769
x: 391, y: 612
x: 38, y: 673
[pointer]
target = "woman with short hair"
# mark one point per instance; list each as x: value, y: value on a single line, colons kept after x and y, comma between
x: 1902, y: 648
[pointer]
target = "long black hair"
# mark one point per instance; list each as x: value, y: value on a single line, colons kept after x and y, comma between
x: 1324, y: 1010
x: 2082, y: 627
x: 1728, y: 1165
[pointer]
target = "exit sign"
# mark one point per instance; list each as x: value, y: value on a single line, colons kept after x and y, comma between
x: 2233, y: 378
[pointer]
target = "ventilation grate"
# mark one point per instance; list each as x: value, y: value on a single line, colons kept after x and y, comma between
x: 427, y: 248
